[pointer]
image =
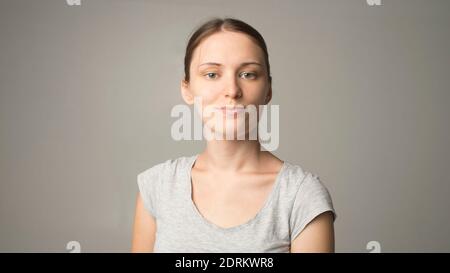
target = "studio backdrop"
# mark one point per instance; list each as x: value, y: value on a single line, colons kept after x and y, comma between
x: 87, y: 88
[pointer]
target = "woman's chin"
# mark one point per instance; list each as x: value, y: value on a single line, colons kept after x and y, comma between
x: 229, y: 129
x: 229, y: 132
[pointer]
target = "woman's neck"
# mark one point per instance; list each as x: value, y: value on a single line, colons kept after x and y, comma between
x: 232, y: 155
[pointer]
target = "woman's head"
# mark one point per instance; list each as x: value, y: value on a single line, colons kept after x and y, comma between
x: 226, y: 64
x: 217, y: 25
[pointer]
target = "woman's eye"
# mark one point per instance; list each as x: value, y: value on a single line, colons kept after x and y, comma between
x: 248, y: 75
x: 211, y: 75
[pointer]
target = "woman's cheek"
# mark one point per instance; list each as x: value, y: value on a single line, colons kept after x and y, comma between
x: 208, y: 95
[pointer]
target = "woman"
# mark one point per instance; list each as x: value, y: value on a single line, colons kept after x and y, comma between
x: 232, y: 197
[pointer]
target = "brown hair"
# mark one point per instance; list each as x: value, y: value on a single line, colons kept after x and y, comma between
x: 215, y: 25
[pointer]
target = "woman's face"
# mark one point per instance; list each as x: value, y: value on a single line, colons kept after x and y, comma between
x: 228, y: 73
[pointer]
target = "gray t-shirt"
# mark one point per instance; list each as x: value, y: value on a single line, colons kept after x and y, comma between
x: 296, y: 198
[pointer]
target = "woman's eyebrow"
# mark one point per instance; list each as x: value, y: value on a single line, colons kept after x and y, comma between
x: 209, y: 63
x: 241, y: 65
x: 249, y: 63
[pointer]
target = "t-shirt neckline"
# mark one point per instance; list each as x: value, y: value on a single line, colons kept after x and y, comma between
x: 212, y: 225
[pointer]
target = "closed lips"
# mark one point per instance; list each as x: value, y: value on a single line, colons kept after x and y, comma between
x: 230, y: 110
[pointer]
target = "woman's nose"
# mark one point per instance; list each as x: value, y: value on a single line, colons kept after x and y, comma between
x: 233, y: 89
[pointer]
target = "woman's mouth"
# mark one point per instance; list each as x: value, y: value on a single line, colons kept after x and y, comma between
x: 230, y: 110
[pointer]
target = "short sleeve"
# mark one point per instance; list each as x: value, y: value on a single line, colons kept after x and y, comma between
x: 148, y: 184
x: 312, y: 199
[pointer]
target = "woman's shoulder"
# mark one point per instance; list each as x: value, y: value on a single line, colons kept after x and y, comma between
x: 168, y: 167
x: 292, y: 174
x: 296, y: 176
x: 305, y: 189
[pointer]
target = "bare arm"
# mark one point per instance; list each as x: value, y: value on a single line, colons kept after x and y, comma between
x: 144, y: 229
x: 318, y: 235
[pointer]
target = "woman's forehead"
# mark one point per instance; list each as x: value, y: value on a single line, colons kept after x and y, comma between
x: 228, y: 47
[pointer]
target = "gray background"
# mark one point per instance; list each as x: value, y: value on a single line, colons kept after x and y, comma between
x: 86, y: 94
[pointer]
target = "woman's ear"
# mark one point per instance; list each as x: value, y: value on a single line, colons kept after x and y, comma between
x: 186, y: 92
x: 269, y: 95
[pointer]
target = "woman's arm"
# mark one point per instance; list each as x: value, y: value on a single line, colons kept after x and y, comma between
x: 318, y: 235
x: 144, y: 229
